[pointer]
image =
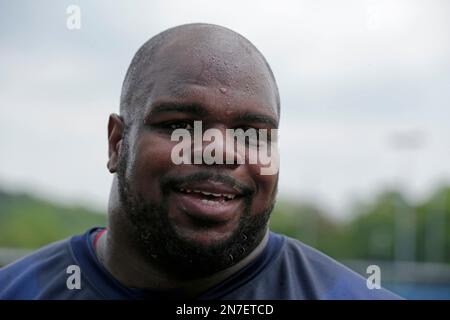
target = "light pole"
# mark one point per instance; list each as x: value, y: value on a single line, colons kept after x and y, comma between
x: 406, y: 142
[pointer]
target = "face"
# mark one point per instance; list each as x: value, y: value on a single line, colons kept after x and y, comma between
x: 197, y: 218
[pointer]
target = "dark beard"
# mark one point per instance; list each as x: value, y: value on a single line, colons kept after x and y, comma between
x: 164, y: 248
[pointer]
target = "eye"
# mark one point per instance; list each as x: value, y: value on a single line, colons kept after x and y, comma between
x: 251, y: 136
x: 180, y: 125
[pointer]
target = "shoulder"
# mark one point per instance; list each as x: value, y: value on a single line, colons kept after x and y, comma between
x: 26, y: 278
x: 52, y: 272
x: 324, y: 277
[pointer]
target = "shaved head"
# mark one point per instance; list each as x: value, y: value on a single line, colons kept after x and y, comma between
x: 215, y: 53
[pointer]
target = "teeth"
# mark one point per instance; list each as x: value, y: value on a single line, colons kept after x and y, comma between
x: 208, y: 202
x: 225, y: 195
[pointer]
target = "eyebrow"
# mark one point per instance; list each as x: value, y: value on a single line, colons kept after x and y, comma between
x: 256, y: 117
x: 197, y: 110
x: 167, y: 107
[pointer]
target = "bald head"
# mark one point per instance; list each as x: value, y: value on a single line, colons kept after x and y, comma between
x: 202, y: 54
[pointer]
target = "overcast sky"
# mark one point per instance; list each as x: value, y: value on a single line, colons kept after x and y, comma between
x: 365, y: 91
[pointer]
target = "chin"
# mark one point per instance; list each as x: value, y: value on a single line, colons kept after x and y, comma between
x: 204, y: 239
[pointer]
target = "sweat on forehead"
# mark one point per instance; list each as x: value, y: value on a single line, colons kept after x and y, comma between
x: 200, y: 54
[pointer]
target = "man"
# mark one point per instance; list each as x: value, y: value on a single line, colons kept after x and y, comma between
x: 190, y: 230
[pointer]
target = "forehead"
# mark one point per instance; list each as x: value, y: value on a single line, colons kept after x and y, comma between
x: 227, y: 73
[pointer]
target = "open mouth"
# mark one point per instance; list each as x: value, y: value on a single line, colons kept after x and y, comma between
x: 211, y: 201
x: 209, y: 197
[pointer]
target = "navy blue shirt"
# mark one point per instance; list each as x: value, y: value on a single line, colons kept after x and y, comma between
x: 286, y: 269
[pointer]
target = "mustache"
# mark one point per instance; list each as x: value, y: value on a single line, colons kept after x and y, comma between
x: 172, y: 181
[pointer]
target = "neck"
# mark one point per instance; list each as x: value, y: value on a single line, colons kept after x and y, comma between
x: 132, y: 270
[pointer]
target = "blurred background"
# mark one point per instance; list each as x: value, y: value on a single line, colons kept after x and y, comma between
x: 364, y: 135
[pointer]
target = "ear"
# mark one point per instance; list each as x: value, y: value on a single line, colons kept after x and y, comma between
x: 115, y: 137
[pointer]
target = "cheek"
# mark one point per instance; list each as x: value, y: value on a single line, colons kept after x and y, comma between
x: 152, y: 160
x: 266, y: 187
